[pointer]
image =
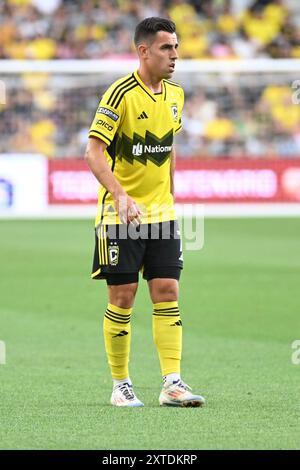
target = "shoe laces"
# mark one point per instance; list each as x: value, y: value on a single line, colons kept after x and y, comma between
x: 127, y: 391
x: 181, y: 384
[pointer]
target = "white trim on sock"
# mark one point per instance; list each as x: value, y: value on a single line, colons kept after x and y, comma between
x: 171, y: 378
x: 117, y: 382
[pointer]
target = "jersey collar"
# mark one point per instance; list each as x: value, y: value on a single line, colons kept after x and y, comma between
x: 145, y: 88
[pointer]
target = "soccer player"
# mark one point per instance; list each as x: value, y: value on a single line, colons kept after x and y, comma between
x: 130, y: 151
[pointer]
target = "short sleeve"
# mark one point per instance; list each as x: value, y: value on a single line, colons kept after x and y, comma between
x: 107, y: 118
x: 180, y: 107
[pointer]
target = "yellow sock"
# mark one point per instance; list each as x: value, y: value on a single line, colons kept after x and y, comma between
x: 117, y: 334
x: 167, y: 335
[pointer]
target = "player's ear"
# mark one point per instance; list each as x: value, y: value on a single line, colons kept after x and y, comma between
x: 142, y: 50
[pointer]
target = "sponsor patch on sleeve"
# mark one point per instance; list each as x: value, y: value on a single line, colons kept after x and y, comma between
x: 108, y: 113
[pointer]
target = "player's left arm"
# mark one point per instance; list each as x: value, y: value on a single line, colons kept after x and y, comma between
x: 177, y: 129
x: 172, y: 170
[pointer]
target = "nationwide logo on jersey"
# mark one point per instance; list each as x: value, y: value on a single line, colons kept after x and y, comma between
x: 143, y: 149
x: 113, y: 254
x: 139, y: 149
x: 174, y: 110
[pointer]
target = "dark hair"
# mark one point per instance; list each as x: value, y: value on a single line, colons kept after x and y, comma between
x: 150, y: 26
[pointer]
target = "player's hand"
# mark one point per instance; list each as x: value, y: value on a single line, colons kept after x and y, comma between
x: 134, y: 215
x: 129, y: 212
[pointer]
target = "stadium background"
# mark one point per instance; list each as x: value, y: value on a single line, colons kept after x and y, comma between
x: 238, y: 154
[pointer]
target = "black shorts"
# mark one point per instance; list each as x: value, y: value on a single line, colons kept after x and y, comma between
x: 121, y: 251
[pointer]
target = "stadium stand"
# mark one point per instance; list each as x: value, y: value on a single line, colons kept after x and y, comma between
x: 254, y: 119
x: 62, y: 29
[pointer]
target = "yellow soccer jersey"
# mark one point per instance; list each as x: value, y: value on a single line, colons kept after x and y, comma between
x: 138, y: 127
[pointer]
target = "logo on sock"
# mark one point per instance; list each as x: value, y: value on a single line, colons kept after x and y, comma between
x: 178, y: 323
x: 122, y: 333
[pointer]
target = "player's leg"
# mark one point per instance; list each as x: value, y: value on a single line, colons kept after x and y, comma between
x: 117, y: 325
x: 166, y: 322
x: 167, y: 334
x: 117, y: 336
x: 163, y: 264
x: 117, y: 259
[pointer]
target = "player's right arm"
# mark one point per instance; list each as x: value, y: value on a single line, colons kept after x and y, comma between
x: 126, y: 207
x: 108, y: 118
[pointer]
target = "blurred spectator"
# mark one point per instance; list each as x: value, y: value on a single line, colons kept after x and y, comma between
x: 92, y: 29
x: 246, y: 117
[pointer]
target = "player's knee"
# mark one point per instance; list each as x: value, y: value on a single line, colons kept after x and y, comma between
x: 164, y: 290
x: 122, y: 296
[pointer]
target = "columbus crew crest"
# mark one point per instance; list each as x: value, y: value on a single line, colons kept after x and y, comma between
x: 174, y: 112
x: 113, y: 254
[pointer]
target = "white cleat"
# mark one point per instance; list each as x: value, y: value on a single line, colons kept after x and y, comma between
x: 178, y: 394
x: 123, y: 395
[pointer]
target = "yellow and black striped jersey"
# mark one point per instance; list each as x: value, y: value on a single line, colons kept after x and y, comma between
x: 138, y: 127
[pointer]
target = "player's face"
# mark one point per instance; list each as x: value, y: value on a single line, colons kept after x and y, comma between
x: 162, y: 54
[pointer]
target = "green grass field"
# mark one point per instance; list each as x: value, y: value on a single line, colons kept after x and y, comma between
x: 240, y: 304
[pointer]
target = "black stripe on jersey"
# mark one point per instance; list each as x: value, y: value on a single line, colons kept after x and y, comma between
x: 120, y: 90
x: 118, y: 87
x: 100, y: 133
x: 102, y: 206
x: 165, y: 87
x: 173, y: 83
x: 146, y: 91
x: 128, y: 87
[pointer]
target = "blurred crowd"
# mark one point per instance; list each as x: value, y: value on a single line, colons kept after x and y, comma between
x: 250, y: 116
x: 93, y: 29
x: 255, y: 121
x: 247, y: 118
